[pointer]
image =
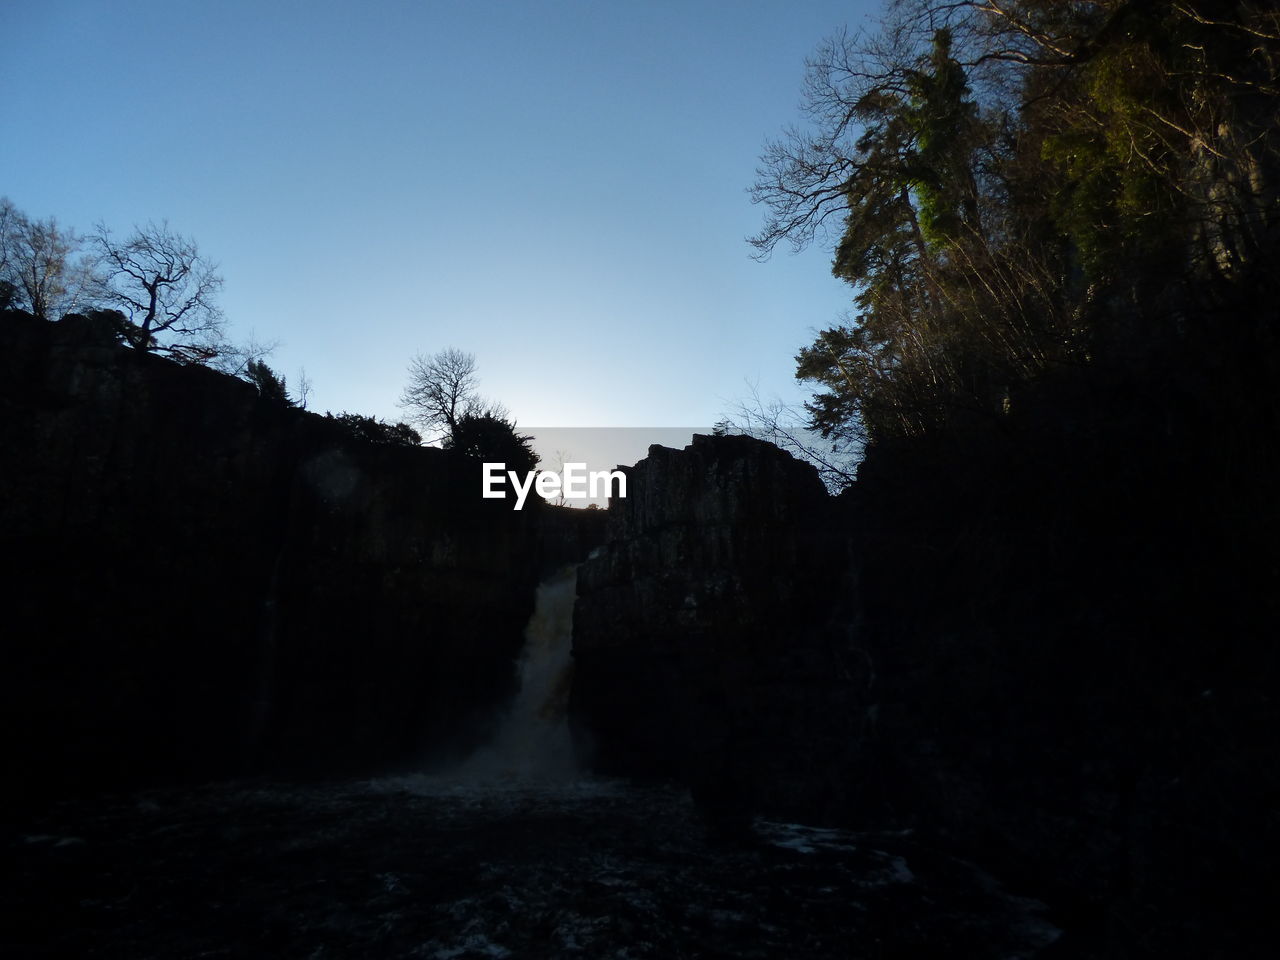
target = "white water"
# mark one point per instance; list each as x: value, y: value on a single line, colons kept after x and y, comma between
x: 533, y: 740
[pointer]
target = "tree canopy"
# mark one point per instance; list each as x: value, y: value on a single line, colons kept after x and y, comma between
x: 491, y: 438
x: 1016, y: 186
x: 271, y: 386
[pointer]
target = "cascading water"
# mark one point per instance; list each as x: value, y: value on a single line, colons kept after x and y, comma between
x: 533, y: 740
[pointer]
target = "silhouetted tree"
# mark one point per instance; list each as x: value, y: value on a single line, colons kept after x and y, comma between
x: 401, y: 435
x: 304, y: 388
x: 1000, y: 176
x: 834, y: 456
x: 492, y: 439
x: 165, y: 288
x: 271, y: 386
x: 42, y: 269
x: 442, y: 389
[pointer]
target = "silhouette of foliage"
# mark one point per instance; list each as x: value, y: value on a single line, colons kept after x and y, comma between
x: 1059, y: 224
x: 1023, y: 187
x: 492, y: 439
x: 373, y: 430
x: 271, y: 386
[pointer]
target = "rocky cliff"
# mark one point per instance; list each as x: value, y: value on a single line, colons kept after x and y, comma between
x: 1047, y: 647
x: 714, y: 633
x: 201, y: 583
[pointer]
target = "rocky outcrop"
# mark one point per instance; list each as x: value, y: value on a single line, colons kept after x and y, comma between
x: 202, y: 583
x: 1044, y: 648
x: 713, y: 635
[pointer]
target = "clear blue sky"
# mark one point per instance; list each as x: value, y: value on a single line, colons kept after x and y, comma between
x: 557, y: 187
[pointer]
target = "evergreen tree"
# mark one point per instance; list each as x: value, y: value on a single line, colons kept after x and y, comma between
x: 492, y: 438
x: 271, y: 386
x: 1026, y: 186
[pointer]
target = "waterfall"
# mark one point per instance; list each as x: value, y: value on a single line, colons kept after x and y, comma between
x: 533, y: 740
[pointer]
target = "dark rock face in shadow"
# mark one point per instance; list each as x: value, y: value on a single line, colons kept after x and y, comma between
x: 713, y: 637
x: 1048, y: 646
x: 201, y: 583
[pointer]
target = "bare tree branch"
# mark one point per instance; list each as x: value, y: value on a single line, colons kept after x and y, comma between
x: 442, y: 389
x: 166, y: 289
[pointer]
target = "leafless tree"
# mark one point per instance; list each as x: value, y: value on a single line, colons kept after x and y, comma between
x: 304, y: 388
x: 41, y: 264
x: 166, y: 290
x: 558, y: 460
x: 835, y: 456
x: 442, y: 389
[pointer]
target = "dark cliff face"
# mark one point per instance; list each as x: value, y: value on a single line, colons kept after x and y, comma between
x: 1049, y: 648
x: 202, y: 583
x: 713, y: 634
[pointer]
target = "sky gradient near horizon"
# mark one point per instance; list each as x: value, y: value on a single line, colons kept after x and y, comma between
x: 556, y: 187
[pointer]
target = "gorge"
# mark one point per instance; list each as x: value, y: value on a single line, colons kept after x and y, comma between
x: 935, y: 667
